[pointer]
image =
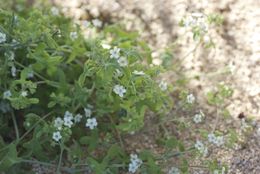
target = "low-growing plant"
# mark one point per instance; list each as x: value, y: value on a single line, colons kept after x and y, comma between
x: 66, y: 95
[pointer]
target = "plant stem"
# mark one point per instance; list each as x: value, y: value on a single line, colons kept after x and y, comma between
x: 51, y: 83
x: 175, y: 154
x: 15, y: 126
x: 65, y: 169
x: 26, y: 133
x: 60, y: 159
x: 117, y: 132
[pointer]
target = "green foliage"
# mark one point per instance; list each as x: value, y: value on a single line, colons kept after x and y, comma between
x: 218, y: 96
x: 47, y: 67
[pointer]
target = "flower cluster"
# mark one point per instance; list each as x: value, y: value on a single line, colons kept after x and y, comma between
x: 115, y: 54
x: 91, y: 122
x: 197, y: 20
x: 201, y: 148
x: 217, y: 140
x: 135, y: 163
x: 68, y: 121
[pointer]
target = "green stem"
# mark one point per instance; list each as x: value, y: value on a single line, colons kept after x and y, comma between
x: 26, y: 133
x: 51, y: 83
x: 117, y: 132
x: 15, y: 126
x: 65, y: 169
x: 60, y: 159
x: 175, y: 154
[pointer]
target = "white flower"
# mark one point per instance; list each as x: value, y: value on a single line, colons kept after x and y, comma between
x: 30, y: 74
x: 201, y: 148
x: 68, y: 115
x: 174, y: 170
x: 206, y: 39
x: 86, y: 23
x: 73, y: 35
x: 199, y: 145
x: 97, y: 23
x: 133, y: 157
x: 91, y: 123
x: 115, y: 53
x: 134, y: 164
x: 55, y: 11
x: 68, y: 121
x: 77, y: 118
x: 2, y: 37
x: 211, y: 138
x: 13, y: 71
x: 190, y: 21
x: 7, y: 94
x: 9, y: 55
x: 88, y: 112
x: 190, y: 98
x: 56, y: 136
x: 132, y: 167
x: 24, y: 93
x: 122, y: 61
x: 118, y: 73
x: 138, y: 72
x: 58, y: 122
x: 119, y: 90
x: 197, y: 118
x: 163, y: 85
x: 197, y: 20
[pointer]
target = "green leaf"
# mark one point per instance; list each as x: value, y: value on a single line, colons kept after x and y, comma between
x: 91, y: 141
x: 9, y: 158
x: 97, y: 167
